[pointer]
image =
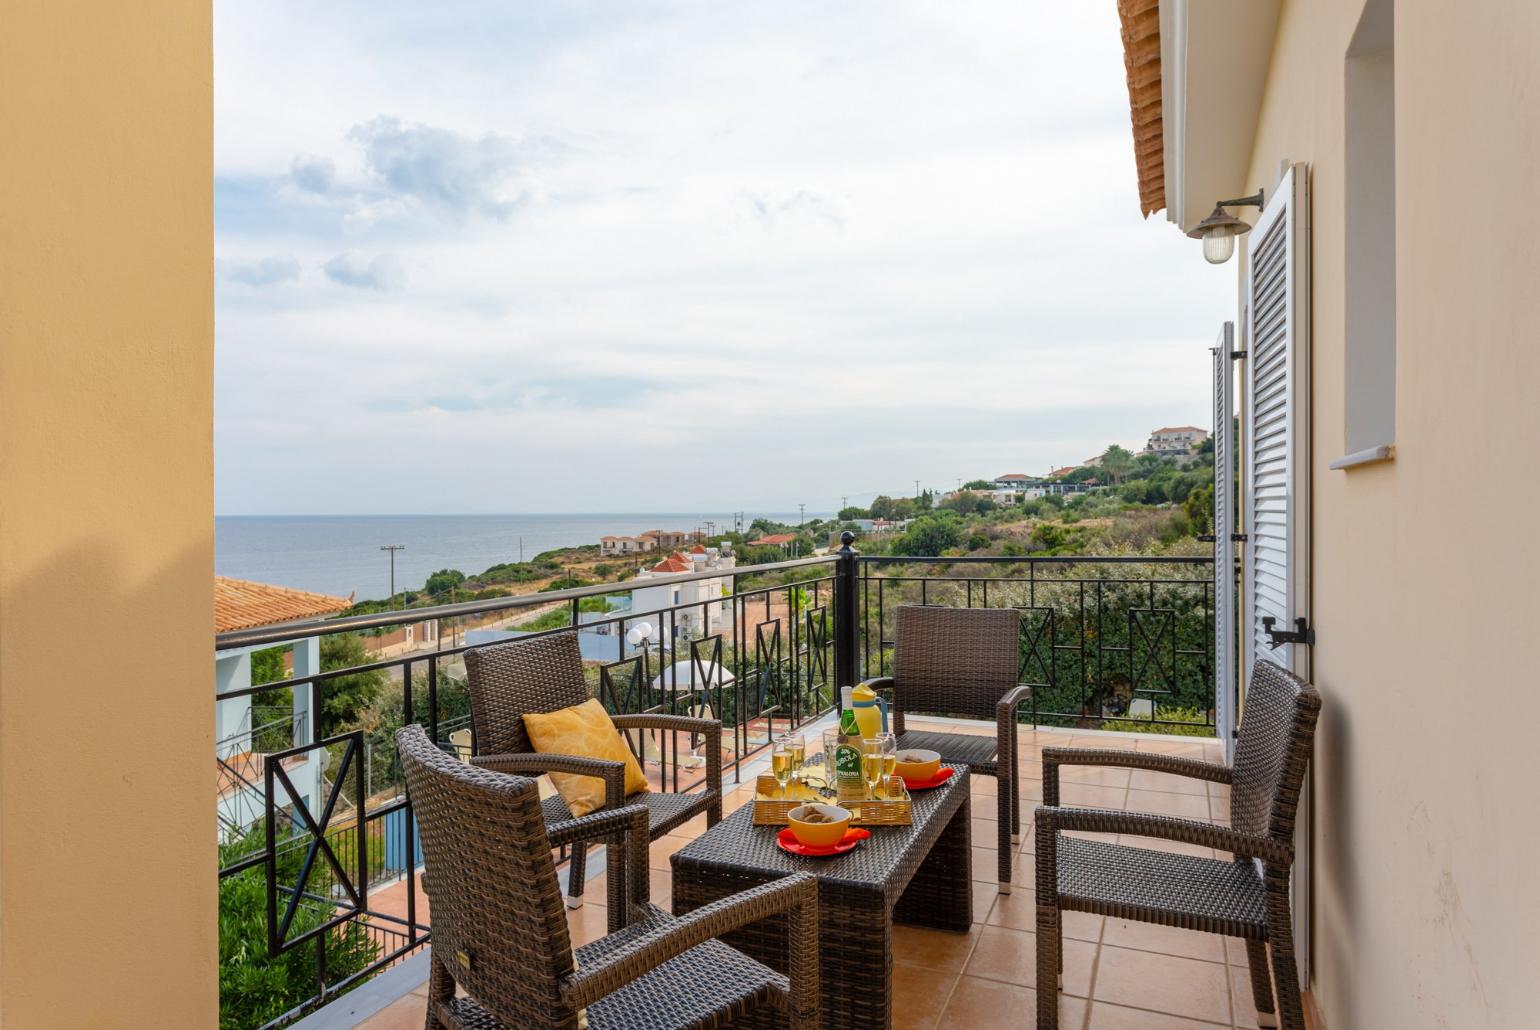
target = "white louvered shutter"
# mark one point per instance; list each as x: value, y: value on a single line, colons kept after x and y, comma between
x: 1225, y: 628
x: 1276, y: 494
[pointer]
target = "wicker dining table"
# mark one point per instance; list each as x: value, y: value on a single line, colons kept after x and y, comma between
x: 918, y: 874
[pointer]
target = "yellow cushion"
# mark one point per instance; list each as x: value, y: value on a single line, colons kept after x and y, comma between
x: 584, y: 730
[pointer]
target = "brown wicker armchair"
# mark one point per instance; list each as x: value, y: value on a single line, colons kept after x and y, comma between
x: 500, y: 931
x: 545, y: 674
x: 963, y: 661
x: 1225, y: 896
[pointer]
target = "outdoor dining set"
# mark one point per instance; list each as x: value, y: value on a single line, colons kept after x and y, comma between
x: 793, y: 925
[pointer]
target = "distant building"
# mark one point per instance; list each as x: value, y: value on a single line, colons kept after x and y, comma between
x: 622, y: 545
x: 1013, y: 481
x: 701, y: 611
x: 781, y: 540
x: 1175, y: 440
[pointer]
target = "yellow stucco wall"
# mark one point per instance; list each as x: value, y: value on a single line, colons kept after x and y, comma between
x: 1424, y: 589
x: 107, y: 893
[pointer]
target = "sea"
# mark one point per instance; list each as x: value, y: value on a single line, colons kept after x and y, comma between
x: 341, y: 554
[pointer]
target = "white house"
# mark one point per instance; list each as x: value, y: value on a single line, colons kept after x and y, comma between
x: 242, y: 604
x: 705, y: 612
x: 1176, y: 440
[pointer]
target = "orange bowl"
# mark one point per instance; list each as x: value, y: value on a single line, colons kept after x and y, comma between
x: 917, y: 763
x: 819, y: 835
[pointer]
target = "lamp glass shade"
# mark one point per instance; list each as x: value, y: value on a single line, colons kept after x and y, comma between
x: 1218, y: 244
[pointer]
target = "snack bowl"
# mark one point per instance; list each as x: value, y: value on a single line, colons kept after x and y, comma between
x: 917, y: 764
x: 818, y: 834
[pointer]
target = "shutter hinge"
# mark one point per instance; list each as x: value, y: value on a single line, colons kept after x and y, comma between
x: 1237, y: 538
x: 1300, y: 634
x: 1236, y: 355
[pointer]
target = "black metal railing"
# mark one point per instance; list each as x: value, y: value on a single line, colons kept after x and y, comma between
x: 1106, y: 642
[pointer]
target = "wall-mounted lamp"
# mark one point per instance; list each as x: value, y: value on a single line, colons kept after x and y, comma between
x: 1218, y: 230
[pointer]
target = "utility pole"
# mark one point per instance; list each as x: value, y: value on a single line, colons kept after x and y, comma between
x: 521, y: 550
x: 393, y: 548
x: 801, y: 515
x: 917, y: 489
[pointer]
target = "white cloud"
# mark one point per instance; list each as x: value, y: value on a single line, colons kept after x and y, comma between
x: 350, y: 268
x: 313, y: 174
x: 777, y: 254
x: 268, y: 271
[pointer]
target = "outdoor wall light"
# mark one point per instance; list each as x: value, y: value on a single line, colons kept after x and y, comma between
x: 1218, y: 230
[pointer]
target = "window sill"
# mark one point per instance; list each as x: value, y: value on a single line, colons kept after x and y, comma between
x: 1370, y: 456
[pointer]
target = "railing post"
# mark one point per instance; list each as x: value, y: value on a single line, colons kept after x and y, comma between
x: 846, y: 642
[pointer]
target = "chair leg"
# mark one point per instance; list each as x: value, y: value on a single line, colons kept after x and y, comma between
x: 1049, y: 962
x: 1005, y: 810
x: 441, y: 990
x: 1261, y: 983
x: 1015, y: 792
x: 576, y: 875
x: 1291, y: 1011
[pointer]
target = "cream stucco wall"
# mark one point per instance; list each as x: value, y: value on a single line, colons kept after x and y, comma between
x: 1424, y: 590
x: 107, y: 892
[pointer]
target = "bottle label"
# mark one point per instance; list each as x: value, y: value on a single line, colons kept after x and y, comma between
x: 847, y: 771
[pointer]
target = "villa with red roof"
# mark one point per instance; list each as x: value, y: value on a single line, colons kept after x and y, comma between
x: 703, y: 612
x: 1176, y: 440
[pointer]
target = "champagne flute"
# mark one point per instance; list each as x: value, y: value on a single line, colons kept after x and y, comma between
x: 871, y: 765
x: 780, y: 763
x: 796, y: 746
x: 889, y: 758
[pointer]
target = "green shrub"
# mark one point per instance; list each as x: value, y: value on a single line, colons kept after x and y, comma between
x: 1193, y: 722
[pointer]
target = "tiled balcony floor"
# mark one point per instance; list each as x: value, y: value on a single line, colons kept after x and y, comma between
x: 1117, y: 974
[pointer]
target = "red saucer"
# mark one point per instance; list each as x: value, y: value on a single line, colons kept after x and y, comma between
x: 935, y: 781
x: 788, y: 843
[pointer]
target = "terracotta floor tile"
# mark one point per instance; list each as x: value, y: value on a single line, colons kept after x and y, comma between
x: 1164, y: 983
x: 1186, y: 806
x: 408, y: 1013
x: 587, y: 924
x: 657, y: 855
x: 934, y: 949
x: 1084, y: 795
x: 1175, y: 847
x: 1168, y: 940
x: 1243, y: 1008
x: 1018, y: 910
x: 1235, y: 952
x: 985, y: 861
x: 919, y: 995
x: 984, y: 895
x: 1105, y: 743
x: 986, y: 1004
x: 1011, y: 956
x: 987, y: 786
x: 1144, y: 779
x: 1096, y: 775
x: 1116, y: 1017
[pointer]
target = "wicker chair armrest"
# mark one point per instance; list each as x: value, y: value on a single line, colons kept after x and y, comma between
x: 631, y: 829
x: 796, y: 894
x: 1005, y: 709
x: 1051, y: 819
x: 664, y: 721
x: 1053, y: 757
x: 533, y: 763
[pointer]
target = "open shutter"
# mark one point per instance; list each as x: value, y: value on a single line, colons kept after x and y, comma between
x: 1276, y: 495
x: 1225, y: 629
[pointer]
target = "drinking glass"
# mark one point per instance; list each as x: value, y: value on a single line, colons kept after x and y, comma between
x: 889, y: 758
x: 780, y: 763
x: 871, y: 765
x: 796, y: 745
x: 831, y: 740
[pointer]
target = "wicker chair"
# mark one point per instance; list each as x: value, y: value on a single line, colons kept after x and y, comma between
x: 1225, y: 896
x: 500, y: 931
x: 963, y: 661
x: 546, y: 675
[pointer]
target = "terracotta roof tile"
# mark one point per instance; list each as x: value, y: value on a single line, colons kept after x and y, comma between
x: 1141, y: 62
x: 242, y: 604
x: 674, y: 563
x: 776, y: 539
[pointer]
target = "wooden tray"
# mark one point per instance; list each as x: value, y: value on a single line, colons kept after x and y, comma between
x: 771, y: 810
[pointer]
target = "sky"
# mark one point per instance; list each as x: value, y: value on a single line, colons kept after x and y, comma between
x: 645, y: 256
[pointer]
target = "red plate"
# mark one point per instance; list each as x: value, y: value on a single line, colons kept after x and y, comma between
x: 789, y: 843
x: 935, y: 781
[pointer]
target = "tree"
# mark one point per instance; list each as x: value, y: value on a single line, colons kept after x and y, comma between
x: 929, y: 535
x: 852, y: 512
x: 1117, y: 463
x: 1199, y: 507
x: 979, y: 484
x: 344, y: 697
x: 253, y: 988
x: 444, y: 580
x: 882, y: 507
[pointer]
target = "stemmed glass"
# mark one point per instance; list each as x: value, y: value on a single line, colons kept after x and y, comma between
x: 889, y: 744
x: 781, y: 762
x: 796, y: 745
x: 871, y: 765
